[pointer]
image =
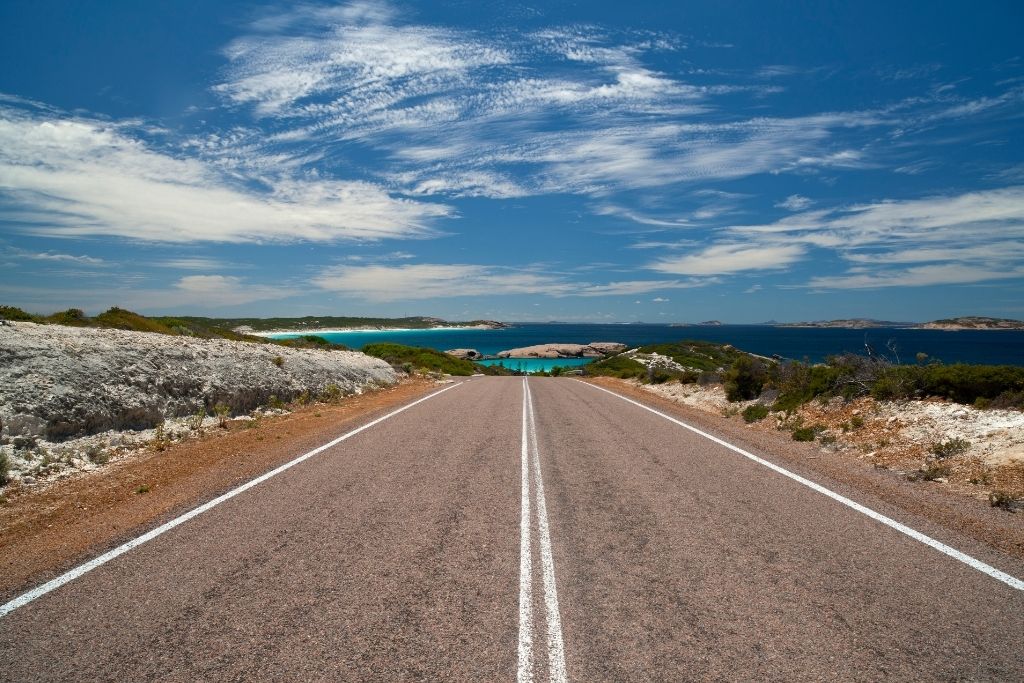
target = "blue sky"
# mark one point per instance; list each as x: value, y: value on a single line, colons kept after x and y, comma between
x: 560, y: 160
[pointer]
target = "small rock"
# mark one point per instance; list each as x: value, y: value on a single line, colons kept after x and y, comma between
x: 28, y: 481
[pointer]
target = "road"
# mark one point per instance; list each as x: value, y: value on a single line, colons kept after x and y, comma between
x: 540, y: 530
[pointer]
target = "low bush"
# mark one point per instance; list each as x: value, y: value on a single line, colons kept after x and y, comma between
x: 1005, y: 500
x: 804, y: 434
x: 1007, y: 400
x: 331, y: 394
x: 5, y: 469
x: 745, y: 379
x: 755, y: 412
x: 15, y: 313
x: 72, y: 316
x: 222, y: 411
x: 622, y: 367
x: 950, y: 448
x: 934, y: 470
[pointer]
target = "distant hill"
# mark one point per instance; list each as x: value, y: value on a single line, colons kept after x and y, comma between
x: 973, y: 322
x: 239, y: 329
x: 848, y: 323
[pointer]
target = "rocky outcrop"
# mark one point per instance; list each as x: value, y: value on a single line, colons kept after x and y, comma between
x: 465, y: 354
x: 57, y: 382
x: 591, y: 350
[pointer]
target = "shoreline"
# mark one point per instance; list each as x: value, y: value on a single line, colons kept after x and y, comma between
x: 353, y: 330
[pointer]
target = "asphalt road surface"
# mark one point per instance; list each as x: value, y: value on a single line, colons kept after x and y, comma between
x: 545, y: 530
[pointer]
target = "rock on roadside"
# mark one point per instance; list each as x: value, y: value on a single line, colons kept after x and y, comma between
x: 465, y: 354
x: 58, y: 382
x: 591, y: 350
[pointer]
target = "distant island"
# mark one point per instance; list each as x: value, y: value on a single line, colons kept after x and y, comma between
x: 961, y: 323
x: 848, y: 323
x: 973, y: 322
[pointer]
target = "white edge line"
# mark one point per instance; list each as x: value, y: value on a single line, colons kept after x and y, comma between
x: 78, y: 571
x: 556, y: 647
x: 1010, y: 581
x: 524, y: 674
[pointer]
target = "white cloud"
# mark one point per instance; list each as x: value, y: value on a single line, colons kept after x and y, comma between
x: 52, y: 257
x: 380, y: 282
x: 73, y: 177
x: 956, y: 239
x: 187, y: 294
x: 794, y: 202
x: 192, y: 263
x: 659, y: 300
x: 723, y: 259
x: 465, y: 117
x: 920, y: 276
x: 431, y: 280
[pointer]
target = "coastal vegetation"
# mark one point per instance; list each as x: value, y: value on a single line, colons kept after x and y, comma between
x: 412, y: 358
x: 791, y: 384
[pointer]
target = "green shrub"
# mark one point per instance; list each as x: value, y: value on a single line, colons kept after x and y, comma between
x: 98, y: 455
x: 933, y: 470
x: 278, y: 361
x: 622, y: 367
x: 1008, y: 399
x: 856, y: 422
x: 658, y: 376
x: 222, y: 411
x: 120, y: 319
x: 1004, y: 500
x: 15, y: 313
x: 803, y: 434
x: 5, y: 469
x: 966, y: 383
x: 331, y: 393
x: 72, y: 316
x: 950, y: 448
x: 755, y: 412
x: 745, y: 379
x: 195, y: 420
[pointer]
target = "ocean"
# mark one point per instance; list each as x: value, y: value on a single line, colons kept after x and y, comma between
x: 997, y: 347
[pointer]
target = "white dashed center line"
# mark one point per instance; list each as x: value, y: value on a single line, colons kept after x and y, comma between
x: 530, y: 456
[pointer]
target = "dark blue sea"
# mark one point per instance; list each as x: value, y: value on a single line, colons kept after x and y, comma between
x: 997, y: 347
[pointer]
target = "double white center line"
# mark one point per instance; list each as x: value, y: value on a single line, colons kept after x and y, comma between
x: 531, y: 503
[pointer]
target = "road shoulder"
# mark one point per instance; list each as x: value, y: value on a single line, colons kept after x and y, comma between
x: 45, y: 532
x: 972, y: 518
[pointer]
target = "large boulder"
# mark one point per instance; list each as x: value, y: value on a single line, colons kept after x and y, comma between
x: 465, y: 354
x: 591, y: 350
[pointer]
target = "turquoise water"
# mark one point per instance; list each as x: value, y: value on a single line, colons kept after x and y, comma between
x: 536, y: 364
x: 969, y: 346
